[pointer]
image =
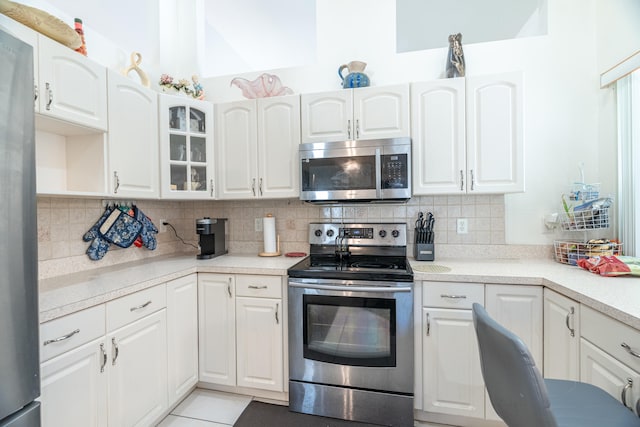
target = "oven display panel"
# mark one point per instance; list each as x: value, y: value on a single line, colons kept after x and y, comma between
x: 357, y: 233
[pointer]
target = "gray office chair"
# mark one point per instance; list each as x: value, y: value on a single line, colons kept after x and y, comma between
x: 523, y: 398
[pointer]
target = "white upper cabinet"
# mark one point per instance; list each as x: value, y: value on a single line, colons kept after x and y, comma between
x: 71, y: 87
x: 257, y: 148
x: 133, y: 138
x: 495, y: 133
x: 468, y: 135
x: 438, y: 132
x: 186, y: 148
x: 350, y: 114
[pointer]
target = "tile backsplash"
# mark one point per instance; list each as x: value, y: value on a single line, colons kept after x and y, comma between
x: 63, y: 221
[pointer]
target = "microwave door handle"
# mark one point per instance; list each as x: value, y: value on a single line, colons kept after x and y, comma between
x: 378, y: 174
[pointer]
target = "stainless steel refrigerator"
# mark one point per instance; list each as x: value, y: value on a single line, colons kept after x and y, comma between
x: 19, y: 360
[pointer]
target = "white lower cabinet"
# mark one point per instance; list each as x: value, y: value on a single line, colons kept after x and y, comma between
x: 519, y: 309
x: 452, y: 379
x: 182, y: 336
x: 609, y: 356
x: 73, y: 387
x: 117, y: 379
x: 137, y: 375
x: 241, y: 331
x: 561, y: 337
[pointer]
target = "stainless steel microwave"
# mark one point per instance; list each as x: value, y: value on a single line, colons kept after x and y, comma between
x: 356, y: 171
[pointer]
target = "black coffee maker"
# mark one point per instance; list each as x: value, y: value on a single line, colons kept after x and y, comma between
x: 212, y: 233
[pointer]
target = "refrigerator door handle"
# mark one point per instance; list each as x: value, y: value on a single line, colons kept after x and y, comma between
x: 62, y: 338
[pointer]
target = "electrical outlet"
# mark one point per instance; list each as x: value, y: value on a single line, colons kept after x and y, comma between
x: 258, y: 224
x: 462, y: 226
x: 161, y: 227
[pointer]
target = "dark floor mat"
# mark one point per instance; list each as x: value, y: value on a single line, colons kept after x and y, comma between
x: 259, y: 414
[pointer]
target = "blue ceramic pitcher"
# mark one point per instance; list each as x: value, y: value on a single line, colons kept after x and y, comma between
x: 356, y: 76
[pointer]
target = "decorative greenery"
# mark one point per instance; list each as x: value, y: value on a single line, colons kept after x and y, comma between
x: 193, y: 88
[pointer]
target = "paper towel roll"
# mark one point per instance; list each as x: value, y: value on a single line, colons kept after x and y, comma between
x: 269, y: 229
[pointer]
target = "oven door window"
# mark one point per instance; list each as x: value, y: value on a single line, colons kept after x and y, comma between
x: 339, y: 173
x: 350, y: 330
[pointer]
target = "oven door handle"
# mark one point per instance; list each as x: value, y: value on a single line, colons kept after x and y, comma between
x: 377, y: 289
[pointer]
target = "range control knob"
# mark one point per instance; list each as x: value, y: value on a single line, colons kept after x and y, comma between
x: 382, y: 233
x: 329, y: 232
x: 395, y: 233
x: 318, y: 233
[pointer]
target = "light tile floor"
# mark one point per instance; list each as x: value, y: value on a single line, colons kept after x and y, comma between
x: 207, y: 408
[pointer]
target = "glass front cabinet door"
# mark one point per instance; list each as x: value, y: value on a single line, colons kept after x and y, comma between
x: 186, y: 148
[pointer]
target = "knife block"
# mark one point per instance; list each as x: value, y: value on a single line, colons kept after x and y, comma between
x: 424, y: 251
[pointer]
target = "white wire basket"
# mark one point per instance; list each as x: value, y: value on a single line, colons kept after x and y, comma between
x: 591, y: 219
x: 569, y: 252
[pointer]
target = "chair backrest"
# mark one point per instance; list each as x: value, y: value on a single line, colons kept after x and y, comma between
x: 515, y: 386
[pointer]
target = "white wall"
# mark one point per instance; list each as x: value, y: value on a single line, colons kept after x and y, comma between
x: 561, y: 91
x: 568, y: 118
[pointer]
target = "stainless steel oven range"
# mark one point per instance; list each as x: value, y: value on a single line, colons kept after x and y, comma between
x: 351, y: 325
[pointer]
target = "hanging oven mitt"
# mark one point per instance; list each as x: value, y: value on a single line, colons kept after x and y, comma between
x: 120, y: 228
x: 148, y: 233
x: 93, y: 231
x: 98, y: 248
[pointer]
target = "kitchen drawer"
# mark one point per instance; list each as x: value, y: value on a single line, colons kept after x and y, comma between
x: 258, y: 286
x: 609, y: 335
x: 66, y: 333
x: 452, y: 294
x: 128, y: 309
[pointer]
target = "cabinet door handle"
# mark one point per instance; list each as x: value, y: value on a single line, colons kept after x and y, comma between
x: 357, y: 128
x: 473, y: 180
x: 211, y: 181
x: 104, y: 357
x: 260, y: 186
x: 229, y: 288
x: 570, y: 314
x: 277, y: 309
x: 453, y: 296
x: 116, y: 182
x: 623, y: 395
x: 35, y: 92
x: 428, y: 325
x: 115, y: 350
x: 257, y: 287
x: 141, y: 306
x: 49, y: 95
x: 630, y: 350
x: 461, y: 180
x: 62, y: 338
x: 253, y: 187
x: 348, y: 129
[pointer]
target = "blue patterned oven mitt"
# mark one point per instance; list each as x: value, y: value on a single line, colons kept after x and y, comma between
x: 120, y: 228
x: 98, y: 248
x: 93, y: 231
x: 149, y: 230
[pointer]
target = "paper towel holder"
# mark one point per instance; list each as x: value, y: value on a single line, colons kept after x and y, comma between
x: 277, y: 252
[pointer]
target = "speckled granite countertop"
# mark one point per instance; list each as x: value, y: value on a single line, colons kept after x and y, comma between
x: 67, y: 294
x: 618, y: 297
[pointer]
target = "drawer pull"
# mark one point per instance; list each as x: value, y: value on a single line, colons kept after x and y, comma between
x: 257, y: 287
x: 116, y: 351
x: 453, y: 296
x: 570, y: 314
x: 140, y: 307
x: 629, y: 350
x: 62, y: 338
x: 104, y: 358
x: 623, y: 396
